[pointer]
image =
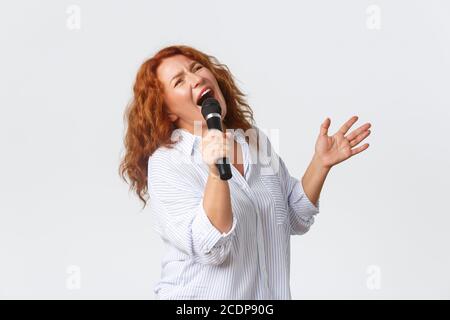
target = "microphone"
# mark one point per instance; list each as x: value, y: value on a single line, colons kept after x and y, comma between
x: 212, y: 111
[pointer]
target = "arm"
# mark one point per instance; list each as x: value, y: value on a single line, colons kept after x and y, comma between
x: 331, y: 150
x: 217, y: 201
x: 304, y: 195
x: 182, y: 206
x: 313, y: 179
x: 301, y: 210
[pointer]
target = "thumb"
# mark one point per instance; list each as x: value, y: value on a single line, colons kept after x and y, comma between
x: 324, y: 127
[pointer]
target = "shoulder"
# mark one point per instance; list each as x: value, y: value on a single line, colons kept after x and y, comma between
x: 164, y: 154
x: 261, y: 139
x: 165, y: 159
x: 260, y: 133
x: 256, y: 133
x: 171, y: 167
x: 267, y: 150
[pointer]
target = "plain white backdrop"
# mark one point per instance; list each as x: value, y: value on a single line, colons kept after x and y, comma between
x: 69, y: 227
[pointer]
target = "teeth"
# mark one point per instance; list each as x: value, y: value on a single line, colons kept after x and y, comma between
x: 207, y: 90
x: 203, y: 95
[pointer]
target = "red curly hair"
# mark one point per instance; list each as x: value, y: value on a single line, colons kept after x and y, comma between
x: 147, y: 124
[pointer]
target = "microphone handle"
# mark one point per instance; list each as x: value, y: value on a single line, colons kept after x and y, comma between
x: 223, y: 165
x: 224, y: 168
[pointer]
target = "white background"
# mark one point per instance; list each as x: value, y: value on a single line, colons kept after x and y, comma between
x: 383, y: 230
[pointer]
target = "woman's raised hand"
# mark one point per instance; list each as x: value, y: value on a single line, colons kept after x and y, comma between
x: 331, y: 150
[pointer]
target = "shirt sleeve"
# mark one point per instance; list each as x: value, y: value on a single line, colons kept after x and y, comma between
x: 176, y: 201
x: 300, y: 209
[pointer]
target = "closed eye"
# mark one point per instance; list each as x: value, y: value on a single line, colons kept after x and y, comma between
x: 196, y: 68
x: 178, y: 81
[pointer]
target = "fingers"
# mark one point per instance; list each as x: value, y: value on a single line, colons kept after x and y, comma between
x: 359, y: 149
x: 216, y: 145
x: 358, y: 131
x: 216, y: 135
x: 324, y: 127
x: 359, y: 138
x: 346, y: 126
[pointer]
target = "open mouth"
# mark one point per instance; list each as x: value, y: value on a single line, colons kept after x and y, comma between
x: 209, y: 93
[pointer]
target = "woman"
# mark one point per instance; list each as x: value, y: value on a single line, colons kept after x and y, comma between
x: 225, y: 239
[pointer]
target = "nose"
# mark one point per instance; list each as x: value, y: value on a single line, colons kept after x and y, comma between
x: 195, y: 80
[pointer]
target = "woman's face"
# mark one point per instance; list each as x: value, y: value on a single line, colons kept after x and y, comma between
x: 183, y: 80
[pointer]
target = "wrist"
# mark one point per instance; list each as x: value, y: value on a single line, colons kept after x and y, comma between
x: 214, y: 172
x: 319, y: 164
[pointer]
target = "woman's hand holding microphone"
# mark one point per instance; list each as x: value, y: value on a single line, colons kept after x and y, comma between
x: 216, y: 199
x: 216, y: 145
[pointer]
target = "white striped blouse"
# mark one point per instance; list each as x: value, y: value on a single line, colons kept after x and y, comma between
x: 252, y: 260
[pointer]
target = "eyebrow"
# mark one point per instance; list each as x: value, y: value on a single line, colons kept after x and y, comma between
x: 181, y: 72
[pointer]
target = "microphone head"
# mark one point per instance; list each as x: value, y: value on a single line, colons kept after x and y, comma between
x: 210, y: 105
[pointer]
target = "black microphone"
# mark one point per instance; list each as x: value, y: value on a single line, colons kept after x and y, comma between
x: 212, y: 111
